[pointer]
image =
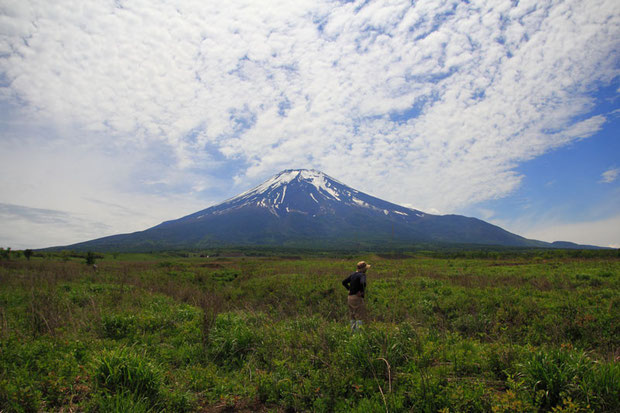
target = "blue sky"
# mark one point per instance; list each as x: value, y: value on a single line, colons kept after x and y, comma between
x: 564, y: 193
x: 116, y: 116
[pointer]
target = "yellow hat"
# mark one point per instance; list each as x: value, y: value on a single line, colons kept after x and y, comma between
x: 362, y: 266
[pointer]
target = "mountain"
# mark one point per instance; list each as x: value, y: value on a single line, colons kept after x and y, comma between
x: 306, y: 208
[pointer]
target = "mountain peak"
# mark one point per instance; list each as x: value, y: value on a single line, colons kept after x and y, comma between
x: 311, y: 180
x: 308, y: 207
x: 310, y: 193
x: 310, y: 175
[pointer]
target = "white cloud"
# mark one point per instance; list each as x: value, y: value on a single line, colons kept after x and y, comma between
x: 298, y: 84
x: 51, y: 227
x: 603, y: 233
x: 486, y: 213
x: 610, y: 175
x: 55, y: 194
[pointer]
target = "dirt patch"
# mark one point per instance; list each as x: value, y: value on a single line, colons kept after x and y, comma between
x: 239, y: 406
x: 211, y: 265
x: 507, y: 264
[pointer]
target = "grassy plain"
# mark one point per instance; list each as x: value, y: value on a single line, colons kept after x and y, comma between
x: 163, y: 333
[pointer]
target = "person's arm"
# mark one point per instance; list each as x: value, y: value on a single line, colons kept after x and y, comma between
x: 347, y: 282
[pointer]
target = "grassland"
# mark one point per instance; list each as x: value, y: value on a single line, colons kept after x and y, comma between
x: 162, y: 333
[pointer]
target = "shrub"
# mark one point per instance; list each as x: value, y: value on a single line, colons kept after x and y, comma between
x: 117, y: 326
x: 20, y: 395
x: 179, y: 401
x: 90, y: 258
x: 224, y: 276
x: 79, y: 297
x: 166, y: 264
x: 501, y: 360
x: 39, y: 372
x: 425, y: 392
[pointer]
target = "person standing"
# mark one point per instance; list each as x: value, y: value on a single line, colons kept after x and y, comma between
x: 356, y: 284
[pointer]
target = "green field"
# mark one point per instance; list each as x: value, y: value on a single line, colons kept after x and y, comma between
x: 458, y: 333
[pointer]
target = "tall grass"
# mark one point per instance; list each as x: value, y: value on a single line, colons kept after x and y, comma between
x: 190, y: 334
x: 123, y: 370
x: 554, y: 375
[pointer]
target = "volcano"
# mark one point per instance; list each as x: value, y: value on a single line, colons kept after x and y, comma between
x: 307, y: 208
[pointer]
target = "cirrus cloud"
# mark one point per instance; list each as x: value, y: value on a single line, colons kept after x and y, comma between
x: 444, y: 98
x: 610, y: 175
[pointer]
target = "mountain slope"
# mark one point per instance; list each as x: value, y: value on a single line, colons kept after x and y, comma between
x: 304, y: 208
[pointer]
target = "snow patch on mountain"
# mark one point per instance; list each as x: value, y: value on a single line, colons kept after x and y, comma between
x: 318, y: 180
x: 307, y: 191
x: 359, y: 202
x: 322, y: 183
x: 311, y: 174
x: 277, y: 181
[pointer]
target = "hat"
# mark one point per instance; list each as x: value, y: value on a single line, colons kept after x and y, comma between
x: 362, y: 266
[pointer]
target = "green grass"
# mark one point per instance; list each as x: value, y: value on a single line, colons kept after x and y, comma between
x: 154, y: 333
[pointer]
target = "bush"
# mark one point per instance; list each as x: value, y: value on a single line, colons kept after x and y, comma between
x: 90, y: 258
x: 20, y: 395
x: 117, y: 326
x: 501, y: 360
x: 224, y: 276
x: 180, y: 401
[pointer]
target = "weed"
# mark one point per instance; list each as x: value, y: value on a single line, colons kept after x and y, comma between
x: 45, y: 312
x: 232, y: 339
x: 501, y: 360
x: 123, y: 402
x: 20, y: 395
x: 601, y: 386
x: 123, y: 370
x: 475, y: 332
x: 117, y: 326
x: 211, y: 305
x: 553, y: 375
